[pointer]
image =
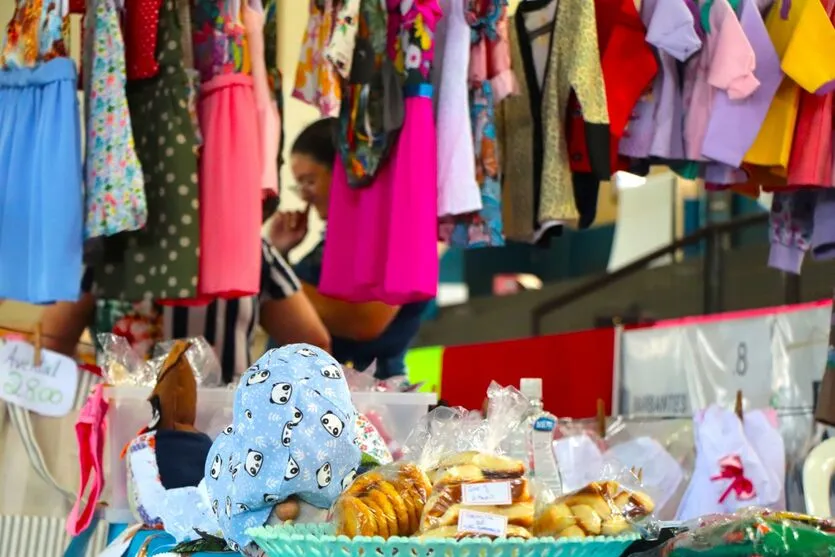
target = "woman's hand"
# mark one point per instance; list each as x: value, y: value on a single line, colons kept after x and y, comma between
x: 288, y: 229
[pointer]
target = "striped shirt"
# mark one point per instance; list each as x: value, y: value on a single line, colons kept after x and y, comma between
x: 228, y: 325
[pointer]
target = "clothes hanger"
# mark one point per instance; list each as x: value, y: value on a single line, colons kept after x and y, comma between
x: 705, y: 12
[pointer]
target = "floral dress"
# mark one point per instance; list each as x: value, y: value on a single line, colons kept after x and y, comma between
x: 115, y: 189
x: 491, y: 80
x: 317, y: 82
x: 161, y: 260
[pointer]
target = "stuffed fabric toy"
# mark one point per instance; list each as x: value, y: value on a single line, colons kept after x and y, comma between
x: 293, y: 435
x: 169, y: 453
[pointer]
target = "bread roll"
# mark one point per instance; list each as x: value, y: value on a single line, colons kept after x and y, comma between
x: 598, y: 509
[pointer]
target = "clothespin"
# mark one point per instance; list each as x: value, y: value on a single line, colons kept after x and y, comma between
x: 738, y: 406
x: 601, y: 418
x: 36, y: 342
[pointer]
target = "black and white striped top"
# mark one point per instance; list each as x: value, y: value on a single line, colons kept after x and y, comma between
x: 228, y: 325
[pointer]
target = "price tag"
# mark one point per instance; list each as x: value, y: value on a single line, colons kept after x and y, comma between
x: 486, y: 494
x: 48, y: 389
x: 473, y: 522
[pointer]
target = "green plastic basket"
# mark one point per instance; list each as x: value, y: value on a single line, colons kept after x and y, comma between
x: 318, y: 540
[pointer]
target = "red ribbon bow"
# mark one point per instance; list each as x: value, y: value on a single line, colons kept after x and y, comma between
x: 730, y: 468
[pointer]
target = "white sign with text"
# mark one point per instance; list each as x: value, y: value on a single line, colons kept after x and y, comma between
x: 486, y: 494
x: 48, y: 389
x: 773, y: 358
x: 473, y: 522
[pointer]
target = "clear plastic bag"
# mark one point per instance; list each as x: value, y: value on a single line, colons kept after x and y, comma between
x: 476, y: 491
x: 387, y: 501
x: 200, y: 355
x: 753, y: 532
x: 613, y: 506
x: 121, y: 365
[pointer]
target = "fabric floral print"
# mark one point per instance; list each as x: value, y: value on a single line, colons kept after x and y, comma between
x: 38, y: 32
x: 218, y: 39
x: 414, y: 52
x: 317, y: 83
x: 482, y: 229
x: 365, y: 134
x: 115, y: 196
x: 340, y: 49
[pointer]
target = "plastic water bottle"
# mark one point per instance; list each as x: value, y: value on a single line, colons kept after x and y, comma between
x: 533, y: 443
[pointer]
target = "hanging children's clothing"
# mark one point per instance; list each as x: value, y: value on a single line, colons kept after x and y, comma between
x: 41, y: 193
x: 725, y: 62
x: 317, y: 83
x: 115, y: 189
x: 800, y: 31
x: 629, y: 67
x: 160, y: 261
x: 729, y: 473
x: 554, y: 63
x: 371, y: 109
x: 734, y: 123
x: 491, y: 80
x: 269, y: 125
x: 656, y: 126
x: 141, y: 27
x: 458, y: 190
x: 398, y: 262
x: 274, y: 75
x: 340, y: 49
x: 812, y: 165
x: 231, y: 166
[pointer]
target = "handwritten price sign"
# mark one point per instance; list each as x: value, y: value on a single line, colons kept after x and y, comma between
x: 48, y: 389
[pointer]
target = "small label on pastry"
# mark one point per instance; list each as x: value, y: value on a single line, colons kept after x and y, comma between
x: 474, y: 522
x: 486, y: 494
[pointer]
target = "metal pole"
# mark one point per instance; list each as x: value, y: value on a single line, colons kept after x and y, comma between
x: 713, y: 267
x: 713, y: 274
x: 791, y: 288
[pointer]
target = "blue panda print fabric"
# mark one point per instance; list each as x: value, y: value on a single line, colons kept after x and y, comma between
x: 292, y: 433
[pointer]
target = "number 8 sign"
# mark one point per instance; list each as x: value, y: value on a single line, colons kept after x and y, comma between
x: 48, y: 389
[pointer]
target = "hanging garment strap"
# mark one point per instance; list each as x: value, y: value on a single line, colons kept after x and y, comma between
x: 90, y: 430
x: 22, y: 421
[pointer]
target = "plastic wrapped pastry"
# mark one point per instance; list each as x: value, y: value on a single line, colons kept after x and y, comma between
x: 598, y: 509
x: 473, y: 482
x: 387, y: 501
x: 476, y: 491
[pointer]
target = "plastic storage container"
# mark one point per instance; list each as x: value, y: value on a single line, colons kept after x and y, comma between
x: 130, y: 412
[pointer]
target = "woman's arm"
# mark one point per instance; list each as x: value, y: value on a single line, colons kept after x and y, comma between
x: 293, y: 319
x: 286, y: 314
x: 63, y: 323
x: 361, y: 322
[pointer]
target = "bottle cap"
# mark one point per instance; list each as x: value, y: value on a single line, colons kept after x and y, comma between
x: 531, y: 387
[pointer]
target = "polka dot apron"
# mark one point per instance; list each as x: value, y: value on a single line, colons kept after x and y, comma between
x: 161, y: 261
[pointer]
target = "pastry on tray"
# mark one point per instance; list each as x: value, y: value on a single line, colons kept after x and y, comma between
x: 468, y: 484
x: 384, y: 502
x: 598, y: 509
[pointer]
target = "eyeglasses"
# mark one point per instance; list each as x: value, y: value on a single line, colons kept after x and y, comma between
x: 299, y: 189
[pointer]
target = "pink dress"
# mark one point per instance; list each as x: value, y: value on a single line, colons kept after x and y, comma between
x: 381, y: 240
x: 231, y: 161
x: 269, y: 123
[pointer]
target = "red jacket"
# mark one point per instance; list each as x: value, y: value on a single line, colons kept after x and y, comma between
x: 629, y: 67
